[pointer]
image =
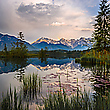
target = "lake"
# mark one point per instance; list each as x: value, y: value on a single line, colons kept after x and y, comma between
x: 72, y: 75
x: 68, y: 70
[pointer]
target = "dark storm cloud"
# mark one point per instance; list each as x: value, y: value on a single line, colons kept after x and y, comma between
x: 39, y: 12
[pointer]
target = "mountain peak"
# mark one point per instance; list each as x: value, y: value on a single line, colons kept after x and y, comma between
x: 50, y: 43
x: 8, y: 39
x: 62, y: 39
x: 72, y: 43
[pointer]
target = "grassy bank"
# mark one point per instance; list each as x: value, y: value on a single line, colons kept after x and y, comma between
x: 95, y: 57
x: 50, y: 54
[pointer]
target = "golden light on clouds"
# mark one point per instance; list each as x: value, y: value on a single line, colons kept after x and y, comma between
x: 50, y: 18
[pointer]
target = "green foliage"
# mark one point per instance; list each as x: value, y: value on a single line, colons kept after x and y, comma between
x: 58, y: 54
x: 54, y: 101
x: 42, y: 54
x: 64, y: 54
x: 12, y: 101
x: 102, y: 27
x: 32, y: 86
x: 19, y: 49
x: 5, y: 51
x: 19, y: 100
x: 92, y: 57
x: 77, y: 60
x: 80, y: 101
x: 5, y: 48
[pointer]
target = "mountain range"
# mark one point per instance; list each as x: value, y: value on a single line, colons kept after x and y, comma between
x: 51, y: 44
x: 72, y: 44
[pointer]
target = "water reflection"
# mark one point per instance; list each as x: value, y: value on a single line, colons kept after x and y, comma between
x: 18, y: 67
x: 67, y: 69
x: 73, y: 75
x: 11, y: 65
x: 93, y: 77
x: 20, y: 73
x: 100, y: 77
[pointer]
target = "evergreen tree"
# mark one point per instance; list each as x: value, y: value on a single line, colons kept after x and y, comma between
x: 5, y: 51
x: 42, y: 54
x: 102, y: 27
x: 21, y: 37
x: 5, y: 48
x: 19, y: 49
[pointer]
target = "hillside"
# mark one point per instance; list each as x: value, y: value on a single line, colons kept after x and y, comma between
x: 51, y: 44
x: 8, y: 39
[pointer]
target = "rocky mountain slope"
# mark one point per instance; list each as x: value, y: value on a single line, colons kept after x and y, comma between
x: 51, y: 44
x: 72, y: 44
x: 8, y: 39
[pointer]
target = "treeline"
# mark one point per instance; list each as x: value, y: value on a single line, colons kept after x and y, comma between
x: 56, y: 53
x: 18, y: 49
x: 64, y: 54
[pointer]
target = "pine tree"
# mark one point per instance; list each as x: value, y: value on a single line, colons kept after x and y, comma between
x: 5, y: 48
x: 5, y: 51
x: 19, y: 49
x: 102, y: 27
x: 21, y: 37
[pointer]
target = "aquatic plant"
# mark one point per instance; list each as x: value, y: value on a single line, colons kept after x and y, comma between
x: 80, y: 101
x: 32, y: 85
x: 19, y: 99
x: 12, y: 101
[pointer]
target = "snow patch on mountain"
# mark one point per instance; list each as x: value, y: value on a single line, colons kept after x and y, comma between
x: 72, y: 43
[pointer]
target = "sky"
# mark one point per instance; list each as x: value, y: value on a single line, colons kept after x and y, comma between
x: 69, y: 19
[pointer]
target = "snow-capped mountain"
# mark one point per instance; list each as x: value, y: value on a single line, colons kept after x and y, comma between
x: 78, y: 44
x: 51, y: 44
x: 8, y: 39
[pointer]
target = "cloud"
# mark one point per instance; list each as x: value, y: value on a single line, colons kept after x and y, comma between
x: 39, y: 12
x: 63, y: 18
x: 84, y: 29
x: 58, y: 24
x: 92, y: 20
x: 43, y: 14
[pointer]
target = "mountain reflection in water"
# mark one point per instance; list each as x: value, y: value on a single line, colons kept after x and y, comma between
x: 95, y: 78
x: 72, y: 75
x: 11, y: 65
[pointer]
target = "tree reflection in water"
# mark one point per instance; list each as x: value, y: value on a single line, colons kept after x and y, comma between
x: 100, y: 77
x: 14, y: 64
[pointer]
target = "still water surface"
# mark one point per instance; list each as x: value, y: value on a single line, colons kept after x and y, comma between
x: 93, y: 77
x: 72, y: 75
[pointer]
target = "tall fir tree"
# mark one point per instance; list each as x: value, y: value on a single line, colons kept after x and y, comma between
x: 102, y: 27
